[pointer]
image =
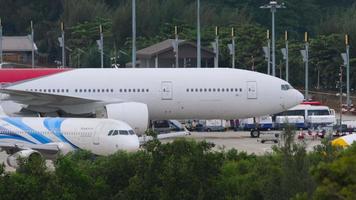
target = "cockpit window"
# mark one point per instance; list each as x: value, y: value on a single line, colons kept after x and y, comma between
x: 116, y: 132
x: 122, y: 132
x: 110, y: 132
x: 286, y: 87
x: 131, y: 132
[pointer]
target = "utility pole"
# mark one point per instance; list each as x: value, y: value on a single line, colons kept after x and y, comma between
x: 33, y: 44
x: 134, y: 33
x: 198, y: 36
x: 273, y: 6
x: 0, y: 43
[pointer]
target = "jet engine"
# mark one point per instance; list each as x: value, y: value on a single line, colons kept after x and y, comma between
x: 28, y: 154
x: 133, y: 113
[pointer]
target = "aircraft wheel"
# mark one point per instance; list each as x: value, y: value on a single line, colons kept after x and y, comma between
x: 255, y: 133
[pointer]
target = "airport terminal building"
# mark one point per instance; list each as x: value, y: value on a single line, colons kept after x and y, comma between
x: 162, y: 55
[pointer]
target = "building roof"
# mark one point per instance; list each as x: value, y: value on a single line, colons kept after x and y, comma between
x: 164, y: 46
x: 17, y: 43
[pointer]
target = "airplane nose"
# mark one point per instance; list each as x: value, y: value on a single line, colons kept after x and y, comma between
x: 299, y: 97
x: 132, y: 144
x: 292, y: 98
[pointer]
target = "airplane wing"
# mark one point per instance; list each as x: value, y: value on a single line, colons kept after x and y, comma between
x: 38, y: 98
x: 43, y: 102
x: 42, y: 148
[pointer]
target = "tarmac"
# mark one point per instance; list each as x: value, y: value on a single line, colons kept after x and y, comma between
x: 242, y: 141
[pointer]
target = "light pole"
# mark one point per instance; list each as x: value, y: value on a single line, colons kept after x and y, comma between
x: 348, y: 100
x: 33, y: 43
x: 101, y: 47
x: 0, y: 42
x: 63, y: 47
x: 340, y: 85
x: 267, y: 51
x: 176, y: 47
x: 134, y: 33
x: 273, y: 6
x: 198, y: 36
x: 216, y: 47
x: 287, y: 56
x: 233, y: 46
x: 305, y: 54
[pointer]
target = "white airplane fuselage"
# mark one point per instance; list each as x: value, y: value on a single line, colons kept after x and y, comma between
x: 68, y: 134
x: 174, y: 93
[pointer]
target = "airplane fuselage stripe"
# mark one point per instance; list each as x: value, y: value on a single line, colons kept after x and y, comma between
x: 19, y: 124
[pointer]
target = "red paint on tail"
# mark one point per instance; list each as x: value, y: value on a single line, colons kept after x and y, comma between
x: 15, y: 75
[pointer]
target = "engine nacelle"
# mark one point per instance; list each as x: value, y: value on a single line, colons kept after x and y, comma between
x: 134, y: 114
x: 13, y: 160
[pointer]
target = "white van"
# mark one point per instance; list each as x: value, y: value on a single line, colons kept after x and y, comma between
x: 314, y: 116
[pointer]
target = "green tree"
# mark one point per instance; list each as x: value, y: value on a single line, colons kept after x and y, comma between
x: 336, y: 179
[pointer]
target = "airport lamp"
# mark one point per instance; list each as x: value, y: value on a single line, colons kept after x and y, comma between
x: 273, y: 6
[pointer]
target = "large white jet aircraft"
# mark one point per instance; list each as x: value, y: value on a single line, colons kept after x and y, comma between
x: 49, y: 137
x: 136, y: 96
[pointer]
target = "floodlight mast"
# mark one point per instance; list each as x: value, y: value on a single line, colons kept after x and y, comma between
x: 273, y: 6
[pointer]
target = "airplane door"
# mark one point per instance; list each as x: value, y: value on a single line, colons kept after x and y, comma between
x: 251, y: 90
x: 98, y: 132
x: 167, y: 90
